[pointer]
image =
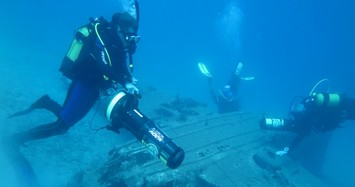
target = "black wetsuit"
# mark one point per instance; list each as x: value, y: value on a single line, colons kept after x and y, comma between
x: 226, y: 98
x: 322, y: 118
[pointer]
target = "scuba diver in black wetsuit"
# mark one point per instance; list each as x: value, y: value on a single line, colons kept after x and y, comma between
x: 95, y: 62
x: 319, y: 112
x: 226, y: 98
x: 97, y: 66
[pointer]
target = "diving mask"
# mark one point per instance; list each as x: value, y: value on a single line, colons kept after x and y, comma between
x: 132, y: 38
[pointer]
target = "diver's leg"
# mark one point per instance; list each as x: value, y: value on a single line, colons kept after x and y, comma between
x: 78, y: 102
x: 80, y: 99
x: 43, y: 131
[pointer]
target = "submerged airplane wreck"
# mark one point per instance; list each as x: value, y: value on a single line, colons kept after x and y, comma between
x: 220, y: 150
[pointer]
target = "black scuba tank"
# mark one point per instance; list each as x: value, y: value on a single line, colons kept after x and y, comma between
x: 70, y: 62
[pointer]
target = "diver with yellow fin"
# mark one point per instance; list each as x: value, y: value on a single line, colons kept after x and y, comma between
x: 226, y: 98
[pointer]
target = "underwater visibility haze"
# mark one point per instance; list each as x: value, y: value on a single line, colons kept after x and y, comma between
x: 288, y: 46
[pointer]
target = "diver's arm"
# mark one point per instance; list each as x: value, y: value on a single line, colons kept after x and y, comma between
x: 304, y: 129
x: 121, y: 74
x: 296, y: 141
x: 213, y: 92
x: 101, y: 62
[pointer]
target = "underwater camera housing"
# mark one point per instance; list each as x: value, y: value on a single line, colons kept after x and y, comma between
x: 279, y: 124
x: 122, y: 110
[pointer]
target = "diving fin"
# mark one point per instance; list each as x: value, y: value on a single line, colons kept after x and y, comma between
x: 21, y: 113
x: 44, y: 102
x: 238, y: 70
x: 204, y: 70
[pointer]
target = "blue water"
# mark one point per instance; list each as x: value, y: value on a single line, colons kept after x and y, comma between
x: 287, y: 45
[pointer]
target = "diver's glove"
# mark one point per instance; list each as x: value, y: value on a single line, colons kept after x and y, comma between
x: 282, y: 152
x: 131, y: 88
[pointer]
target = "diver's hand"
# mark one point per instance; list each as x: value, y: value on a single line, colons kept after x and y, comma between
x: 282, y: 152
x: 131, y: 88
x: 131, y: 48
x: 134, y: 80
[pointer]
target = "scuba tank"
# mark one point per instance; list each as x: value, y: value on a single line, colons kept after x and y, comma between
x: 325, y: 99
x: 78, y: 45
x: 122, y: 111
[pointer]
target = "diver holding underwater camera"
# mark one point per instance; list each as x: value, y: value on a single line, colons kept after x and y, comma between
x: 99, y: 59
x: 320, y: 112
